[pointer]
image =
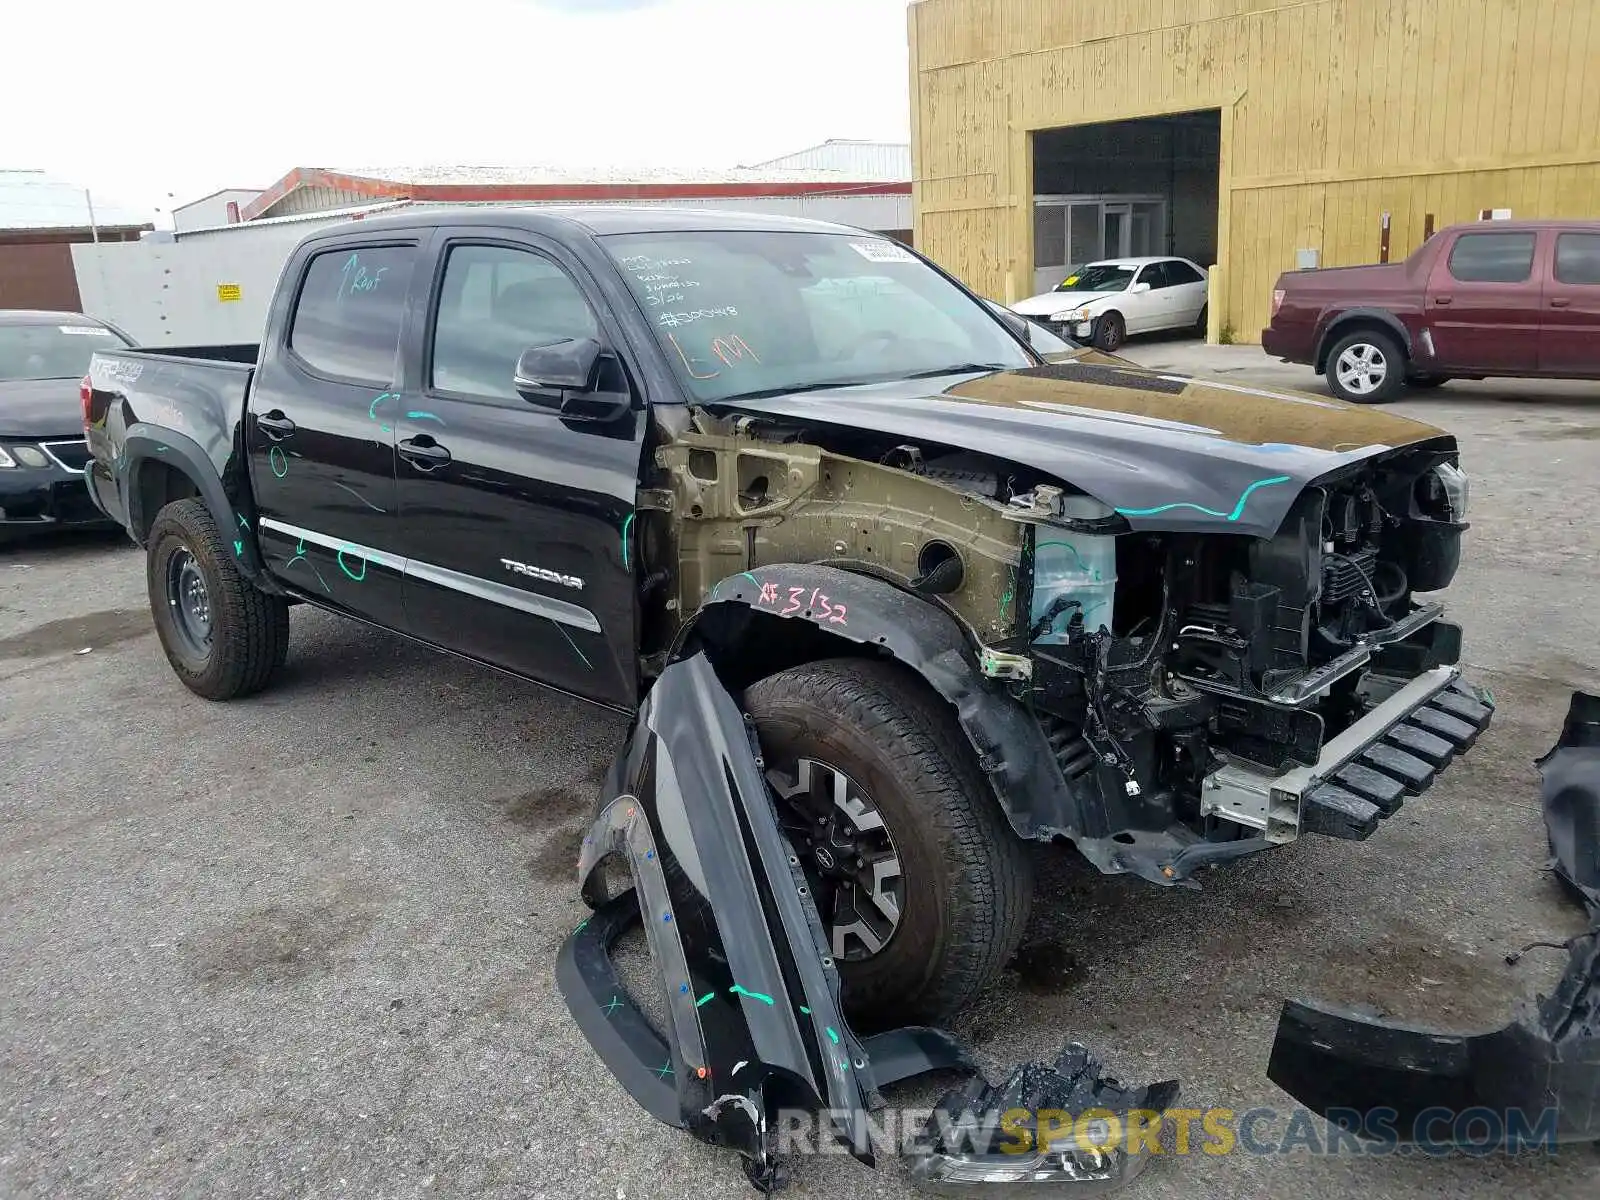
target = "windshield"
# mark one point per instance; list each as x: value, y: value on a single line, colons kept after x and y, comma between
x: 741, y: 312
x: 51, y: 351
x: 1098, y: 277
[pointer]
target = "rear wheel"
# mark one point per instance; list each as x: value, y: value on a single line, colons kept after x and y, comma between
x: 1366, y: 367
x: 223, y: 637
x: 1110, y: 331
x: 921, y: 884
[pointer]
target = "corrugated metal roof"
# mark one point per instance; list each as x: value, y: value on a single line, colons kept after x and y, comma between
x: 448, y: 175
x: 861, y: 160
x: 353, y: 210
x: 34, y: 200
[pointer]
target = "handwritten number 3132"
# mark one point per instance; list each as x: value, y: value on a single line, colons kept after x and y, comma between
x: 818, y: 603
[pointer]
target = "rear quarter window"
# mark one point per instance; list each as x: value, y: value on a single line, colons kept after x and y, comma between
x: 347, y: 316
x: 1492, y: 257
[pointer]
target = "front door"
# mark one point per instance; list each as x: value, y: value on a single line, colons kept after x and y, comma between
x: 1115, y: 226
x: 1483, y: 307
x: 320, y: 433
x: 1569, y: 343
x: 514, y: 520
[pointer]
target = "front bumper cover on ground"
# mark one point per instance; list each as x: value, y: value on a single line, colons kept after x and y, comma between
x: 1348, y: 1066
x: 751, y: 994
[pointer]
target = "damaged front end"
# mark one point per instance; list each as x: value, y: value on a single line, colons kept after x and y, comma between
x: 1199, y: 682
x: 1348, y: 1066
x: 753, y: 1025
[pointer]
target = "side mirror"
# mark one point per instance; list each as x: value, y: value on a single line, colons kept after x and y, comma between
x: 1139, y: 288
x: 566, y: 376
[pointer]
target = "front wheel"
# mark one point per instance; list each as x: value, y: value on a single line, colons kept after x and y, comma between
x: 223, y: 637
x: 1110, y: 331
x: 1366, y: 367
x: 920, y: 883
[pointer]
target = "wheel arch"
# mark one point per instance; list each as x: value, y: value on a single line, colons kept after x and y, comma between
x: 1352, y: 321
x: 768, y: 619
x: 166, y: 467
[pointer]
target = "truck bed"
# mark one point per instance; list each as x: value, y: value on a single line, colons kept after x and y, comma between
x: 172, y: 406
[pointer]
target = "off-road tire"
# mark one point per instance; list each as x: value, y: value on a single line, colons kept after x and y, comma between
x: 1110, y: 331
x: 967, y: 879
x: 249, y: 629
x: 1392, y: 355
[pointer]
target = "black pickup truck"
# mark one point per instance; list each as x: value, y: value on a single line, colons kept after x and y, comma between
x: 969, y: 598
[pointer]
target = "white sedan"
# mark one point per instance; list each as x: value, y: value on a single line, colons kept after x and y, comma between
x: 1104, y: 302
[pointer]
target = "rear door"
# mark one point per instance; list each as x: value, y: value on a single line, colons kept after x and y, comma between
x: 1189, y: 290
x: 513, y: 519
x: 1484, y: 307
x: 320, y: 434
x: 1570, y: 341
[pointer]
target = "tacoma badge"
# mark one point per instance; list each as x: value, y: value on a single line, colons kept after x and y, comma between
x: 571, y: 581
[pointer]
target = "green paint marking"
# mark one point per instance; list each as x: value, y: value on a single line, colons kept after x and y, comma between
x: 1238, y: 509
x: 613, y: 1006
x: 581, y: 924
x: 1082, y: 566
x: 627, y: 527
x: 343, y: 567
x: 751, y: 578
x: 385, y: 429
x: 278, y: 463
x: 664, y: 1069
x: 805, y: 1010
x: 832, y: 1036
x: 238, y: 549
x: 703, y: 999
x: 739, y: 990
x: 424, y: 416
x: 242, y: 522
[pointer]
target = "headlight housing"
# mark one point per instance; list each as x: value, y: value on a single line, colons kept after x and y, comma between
x: 14, y: 456
x: 1457, y: 490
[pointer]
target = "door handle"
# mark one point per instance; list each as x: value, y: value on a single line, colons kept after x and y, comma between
x: 423, y: 453
x: 1560, y: 302
x: 275, y: 425
x: 1441, y: 301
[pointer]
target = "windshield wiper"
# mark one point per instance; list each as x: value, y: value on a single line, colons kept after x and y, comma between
x: 957, y: 369
x: 791, y: 390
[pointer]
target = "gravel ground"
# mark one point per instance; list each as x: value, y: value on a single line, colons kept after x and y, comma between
x: 302, y: 944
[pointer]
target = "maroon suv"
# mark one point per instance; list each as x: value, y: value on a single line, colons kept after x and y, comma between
x: 1490, y: 298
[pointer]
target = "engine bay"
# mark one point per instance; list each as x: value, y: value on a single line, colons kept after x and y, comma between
x: 1151, y: 659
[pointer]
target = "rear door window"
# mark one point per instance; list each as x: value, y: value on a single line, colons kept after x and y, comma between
x: 1492, y: 257
x: 1181, y: 272
x: 1578, y: 258
x: 347, y: 318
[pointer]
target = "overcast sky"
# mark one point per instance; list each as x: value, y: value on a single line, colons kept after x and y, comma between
x: 141, y: 98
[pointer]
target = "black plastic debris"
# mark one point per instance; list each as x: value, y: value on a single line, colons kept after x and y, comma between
x: 1063, y: 1124
x: 1571, y: 796
x: 1348, y: 1066
x: 753, y: 1028
x: 751, y: 993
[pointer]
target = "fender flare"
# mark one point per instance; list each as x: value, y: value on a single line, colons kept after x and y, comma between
x: 872, y: 613
x: 1348, y: 316
x: 145, y: 444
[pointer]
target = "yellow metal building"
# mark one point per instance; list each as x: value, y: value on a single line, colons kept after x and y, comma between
x: 1254, y: 135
